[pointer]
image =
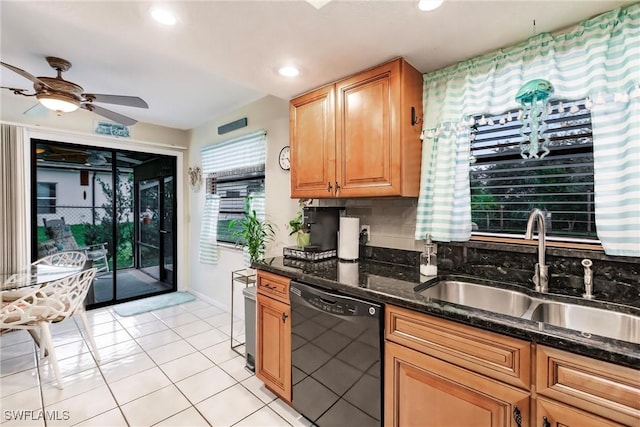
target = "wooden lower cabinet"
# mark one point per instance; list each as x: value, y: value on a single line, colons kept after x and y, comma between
x: 421, y: 390
x: 556, y: 414
x: 273, y: 345
x: 611, y: 393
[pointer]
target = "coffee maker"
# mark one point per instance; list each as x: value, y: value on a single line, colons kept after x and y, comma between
x: 323, y: 224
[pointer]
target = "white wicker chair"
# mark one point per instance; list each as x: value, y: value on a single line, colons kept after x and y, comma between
x: 64, y: 259
x: 51, y: 303
x: 60, y: 259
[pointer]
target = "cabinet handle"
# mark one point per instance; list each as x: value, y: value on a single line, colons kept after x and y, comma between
x: 337, y: 187
x: 329, y: 186
x: 545, y: 422
x: 517, y: 416
x: 284, y: 317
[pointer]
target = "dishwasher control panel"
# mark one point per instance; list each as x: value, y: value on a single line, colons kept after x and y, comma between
x: 334, y: 307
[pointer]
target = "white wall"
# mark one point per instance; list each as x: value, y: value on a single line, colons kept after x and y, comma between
x: 213, y: 282
x: 81, y: 121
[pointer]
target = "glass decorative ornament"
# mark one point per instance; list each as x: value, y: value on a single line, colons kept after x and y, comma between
x: 534, y: 97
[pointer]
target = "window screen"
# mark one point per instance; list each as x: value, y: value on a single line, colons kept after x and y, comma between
x: 46, y: 197
x: 505, y: 187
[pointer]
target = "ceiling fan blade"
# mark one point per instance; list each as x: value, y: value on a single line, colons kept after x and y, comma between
x: 111, y: 115
x: 129, y: 101
x: 38, y: 110
x: 24, y: 74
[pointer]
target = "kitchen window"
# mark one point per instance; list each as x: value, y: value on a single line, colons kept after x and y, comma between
x: 234, y: 171
x: 505, y: 186
x: 46, y: 197
x: 233, y: 188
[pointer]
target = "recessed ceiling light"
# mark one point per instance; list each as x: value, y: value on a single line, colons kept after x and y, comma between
x: 428, y: 5
x: 163, y: 16
x: 288, y: 71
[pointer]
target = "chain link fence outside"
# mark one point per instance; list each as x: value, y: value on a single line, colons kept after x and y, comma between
x: 92, y: 225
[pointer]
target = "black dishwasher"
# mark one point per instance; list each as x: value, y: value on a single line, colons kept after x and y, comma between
x: 336, y: 353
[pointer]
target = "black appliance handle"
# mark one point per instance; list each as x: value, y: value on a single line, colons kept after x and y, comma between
x: 301, y: 291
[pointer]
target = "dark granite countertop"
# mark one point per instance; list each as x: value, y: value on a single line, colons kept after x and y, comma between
x: 394, y: 284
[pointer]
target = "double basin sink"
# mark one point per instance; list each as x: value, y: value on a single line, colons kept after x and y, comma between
x: 585, y: 319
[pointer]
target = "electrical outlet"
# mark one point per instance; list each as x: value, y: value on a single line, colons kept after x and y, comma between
x: 367, y: 228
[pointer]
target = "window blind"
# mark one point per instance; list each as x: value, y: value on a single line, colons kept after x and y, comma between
x: 505, y: 187
x: 242, y: 152
x: 234, y: 170
x: 208, y: 233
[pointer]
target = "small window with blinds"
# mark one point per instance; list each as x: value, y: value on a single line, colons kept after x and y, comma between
x: 505, y: 187
x: 233, y: 187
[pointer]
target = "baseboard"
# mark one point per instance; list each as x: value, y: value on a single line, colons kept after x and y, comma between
x: 209, y: 300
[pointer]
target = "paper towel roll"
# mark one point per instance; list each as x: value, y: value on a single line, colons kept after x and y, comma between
x: 348, y: 238
x: 348, y: 273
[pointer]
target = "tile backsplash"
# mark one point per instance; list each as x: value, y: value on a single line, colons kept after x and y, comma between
x: 392, y: 220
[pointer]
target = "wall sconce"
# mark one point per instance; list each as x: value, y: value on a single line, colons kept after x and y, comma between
x: 195, y: 178
x: 534, y: 97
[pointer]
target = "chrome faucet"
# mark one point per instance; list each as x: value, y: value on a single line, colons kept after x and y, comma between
x: 588, y: 279
x: 541, y: 274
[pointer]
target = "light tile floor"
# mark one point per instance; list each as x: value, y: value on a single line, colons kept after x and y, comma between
x: 170, y: 367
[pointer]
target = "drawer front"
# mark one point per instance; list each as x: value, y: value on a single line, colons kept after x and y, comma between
x: 274, y: 286
x: 494, y: 355
x: 599, y: 387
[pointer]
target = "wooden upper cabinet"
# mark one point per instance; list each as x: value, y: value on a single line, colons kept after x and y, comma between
x: 312, y: 134
x: 356, y: 138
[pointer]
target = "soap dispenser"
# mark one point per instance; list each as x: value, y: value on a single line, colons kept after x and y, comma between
x: 428, y: 261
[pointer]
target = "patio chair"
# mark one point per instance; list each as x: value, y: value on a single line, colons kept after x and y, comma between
x: 52, y: 303
x: 62, y: 240
x: 64, y: 259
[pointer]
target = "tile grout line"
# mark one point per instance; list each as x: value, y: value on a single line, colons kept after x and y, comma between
x: 117, y: 319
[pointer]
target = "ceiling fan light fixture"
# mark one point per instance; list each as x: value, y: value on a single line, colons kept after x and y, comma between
x: 163, y: 16
x: 95, y: 159
x: 58, y: 103
x: 429, y: 5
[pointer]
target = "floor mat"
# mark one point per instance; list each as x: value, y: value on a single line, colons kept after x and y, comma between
x: 130, y: 283
x: 152, y: 303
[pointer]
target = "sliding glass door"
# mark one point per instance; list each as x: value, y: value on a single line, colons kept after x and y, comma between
x: 116, y: 206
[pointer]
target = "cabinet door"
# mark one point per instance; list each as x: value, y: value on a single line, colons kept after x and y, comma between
x: 555, y: 414
x: 312, y: 141
x: 273, y: 344
x: 606, y: 389
x: 367, y: 133
x: 421, y: 390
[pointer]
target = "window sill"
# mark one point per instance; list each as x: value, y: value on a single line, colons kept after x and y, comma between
x: 229, y: 246
x: 549, y: 243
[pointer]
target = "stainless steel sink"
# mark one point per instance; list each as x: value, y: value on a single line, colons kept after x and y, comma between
x: 589, y: 320
x: 497, y: 300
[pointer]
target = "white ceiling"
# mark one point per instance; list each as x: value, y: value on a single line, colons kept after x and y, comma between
x: 224, y: 54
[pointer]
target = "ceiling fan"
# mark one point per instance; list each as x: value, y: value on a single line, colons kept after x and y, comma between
x: 59, y: 154
x: 63, y: 96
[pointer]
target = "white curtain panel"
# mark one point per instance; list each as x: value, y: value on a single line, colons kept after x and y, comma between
x: 13, y: 216
x: 598, y: 59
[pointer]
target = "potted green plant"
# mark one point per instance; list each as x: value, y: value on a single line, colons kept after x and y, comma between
x: 252, y: 233
x: 299, y: 228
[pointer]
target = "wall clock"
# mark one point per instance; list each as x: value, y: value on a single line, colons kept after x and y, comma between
x: 285, y: 161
